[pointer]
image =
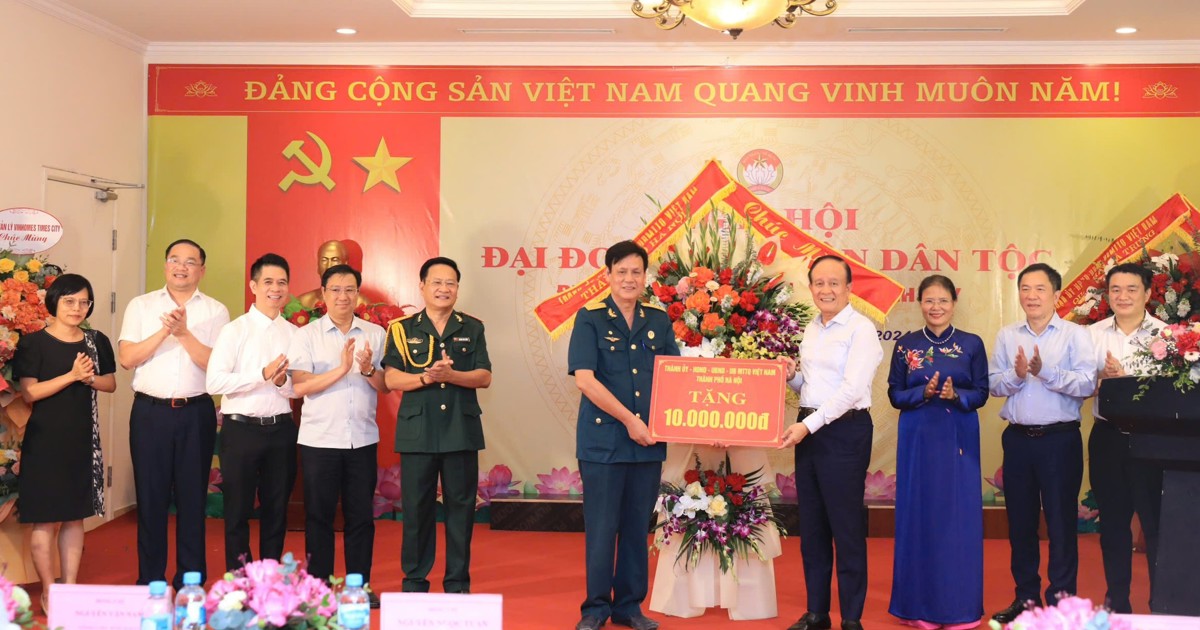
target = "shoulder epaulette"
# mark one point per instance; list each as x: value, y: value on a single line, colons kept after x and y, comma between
x: 595, y: 306
x: 470, y: 315
x: 399, y: 319
x: 654, y: 306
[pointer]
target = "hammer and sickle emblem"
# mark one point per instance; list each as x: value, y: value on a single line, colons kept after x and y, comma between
x: 317, y: 173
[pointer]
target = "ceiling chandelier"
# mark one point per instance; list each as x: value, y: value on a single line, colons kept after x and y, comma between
x: 730, y: 16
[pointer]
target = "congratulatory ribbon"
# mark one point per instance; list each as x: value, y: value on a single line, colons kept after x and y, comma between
x: 874, y: 294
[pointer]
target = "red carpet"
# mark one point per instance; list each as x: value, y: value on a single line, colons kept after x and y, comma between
x: 541, y: 574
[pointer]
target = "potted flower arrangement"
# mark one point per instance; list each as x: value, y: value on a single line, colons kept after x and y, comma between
x: 1071, y: 613
x: 15, y: 612
x: 720, y: 512
x: 271, y: 594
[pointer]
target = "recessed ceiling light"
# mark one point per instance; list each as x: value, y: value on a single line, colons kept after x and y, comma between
x: 346, y: 31
x: 1126, y: 30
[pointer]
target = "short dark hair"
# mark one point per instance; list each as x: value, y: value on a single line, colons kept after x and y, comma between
x: 819, y: 259
x: 440, y: 260
x: 186, y: 241
x: 1130, y: 268
x: 269, y: 260
x: 1055, y: 277
x: 623, y: 250
x: 341, y: 270
x: 940, y: 281
x: 69, y: 284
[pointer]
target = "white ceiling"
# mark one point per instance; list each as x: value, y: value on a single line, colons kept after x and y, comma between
x: 607, y: 23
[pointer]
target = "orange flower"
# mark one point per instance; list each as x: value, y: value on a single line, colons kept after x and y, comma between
x: 726, y: 291
x: 702, y: 275
x: 711, y: 323
x: 680, y: 328
x: 699, y: 301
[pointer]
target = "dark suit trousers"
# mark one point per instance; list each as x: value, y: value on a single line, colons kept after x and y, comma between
x: 419, y: 474
x: 172, y: 451
x: 831, y: 477
x: 1122, y: 485
x: 1043, y: 474
x: 256, y: 461
x: 330, y: 473
x: 618, y: 500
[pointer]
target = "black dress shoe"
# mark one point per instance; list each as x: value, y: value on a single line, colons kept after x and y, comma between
x: 849, y: 624
x: 637, y: 622
x: 589, y: 623
x: 1013, y: 611
x: 812, y: 621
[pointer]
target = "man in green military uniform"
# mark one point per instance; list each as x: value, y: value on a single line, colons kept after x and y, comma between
x: 438, y: 358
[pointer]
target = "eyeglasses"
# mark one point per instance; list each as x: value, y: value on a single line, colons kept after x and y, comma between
x: 190, y: 263
x: 339, y: 291
x: 71, y: 302
x: 447, y: 284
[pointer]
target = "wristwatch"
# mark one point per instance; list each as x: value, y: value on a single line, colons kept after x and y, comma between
x: 423, y: 383
x: 369, y: 373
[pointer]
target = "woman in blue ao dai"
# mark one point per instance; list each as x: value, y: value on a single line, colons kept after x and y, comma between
x: 938, y: 380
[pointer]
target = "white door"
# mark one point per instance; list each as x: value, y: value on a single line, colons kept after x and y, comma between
x: 86, y: 248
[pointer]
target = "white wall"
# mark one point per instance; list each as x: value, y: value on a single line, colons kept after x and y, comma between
x: 73, y: 99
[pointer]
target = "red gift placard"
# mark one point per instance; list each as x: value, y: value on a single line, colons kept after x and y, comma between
x: 735, y: 402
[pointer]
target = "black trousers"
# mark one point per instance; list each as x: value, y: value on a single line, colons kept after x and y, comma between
x: 618, y: 500
x: 1043, y: 474
x: 256, y: 461
x: 171, y: 449
x: 330, y: 473
x: 1123, y: 485
x: 831, y: 477
x: 419, y: 473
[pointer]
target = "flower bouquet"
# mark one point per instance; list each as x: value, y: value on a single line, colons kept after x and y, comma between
x: 1174, y: 289
x: 721, y: 512
x: 271, y: 594
x: 15, y: 610
x: 1173, y: 354
x: 1071, y: 613
x: 23, y: 284
x: 722, y: 304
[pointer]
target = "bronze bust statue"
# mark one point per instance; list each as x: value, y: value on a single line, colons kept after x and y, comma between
x: 329, y: 254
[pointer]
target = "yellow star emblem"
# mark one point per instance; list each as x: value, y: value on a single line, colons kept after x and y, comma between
x: 381, y: 167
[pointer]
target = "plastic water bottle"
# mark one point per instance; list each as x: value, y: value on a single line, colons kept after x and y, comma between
x: 189, y: 604
x: 156, y: 612
x: 354, y: 609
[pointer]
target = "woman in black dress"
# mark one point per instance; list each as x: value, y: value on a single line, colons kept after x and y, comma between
x: 60, y: 368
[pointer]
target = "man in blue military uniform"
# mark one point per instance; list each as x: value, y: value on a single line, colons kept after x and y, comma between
x: 439, y: 359
x: 612, y: 358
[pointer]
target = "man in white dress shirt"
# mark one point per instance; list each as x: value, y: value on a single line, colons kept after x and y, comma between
x: 335, y: 367
x: 248, y: 367
x: 1121, y: 484
x: 166, y: 339
x: 838, y: 359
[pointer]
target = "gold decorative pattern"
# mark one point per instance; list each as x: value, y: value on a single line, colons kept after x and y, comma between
x: 1160, y: 91
x: 200, y: 89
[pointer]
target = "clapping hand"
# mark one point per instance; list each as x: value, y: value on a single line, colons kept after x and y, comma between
x: 931, y: 388
x: 348, y: 356
x: 1112, y: 367
x: 1021, y: 365
x: 1035, y: 364
x: 948, y: 392
x: 364, y: 360
x: 440, y: 371
x: 276, y: 370
x: 83, y: 369
x: 175, y: 321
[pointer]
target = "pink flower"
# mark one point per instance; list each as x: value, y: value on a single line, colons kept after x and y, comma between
x: 786, y: 485
x: 998, y: 480
x: 214, y: 479
x: 880, y: 486
x: 1071, y: 612
x: 387, y: 490
x: 275, y: 604
x: 498, y: 482
x: 683, y: 286
x: 560, y: 481
x: 1159, y: 347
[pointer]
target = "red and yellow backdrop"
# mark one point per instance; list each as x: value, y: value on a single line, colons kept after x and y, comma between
x: 525, y: 174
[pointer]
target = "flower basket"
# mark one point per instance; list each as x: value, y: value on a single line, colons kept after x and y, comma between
x: 270, y: 594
